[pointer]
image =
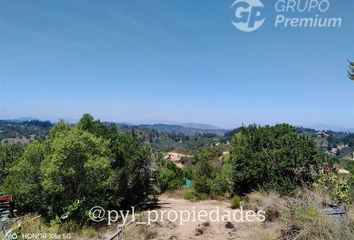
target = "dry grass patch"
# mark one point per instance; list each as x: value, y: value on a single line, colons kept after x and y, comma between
x: 300, y: 217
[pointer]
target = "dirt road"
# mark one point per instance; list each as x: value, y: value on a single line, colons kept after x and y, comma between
x: 191, y: 228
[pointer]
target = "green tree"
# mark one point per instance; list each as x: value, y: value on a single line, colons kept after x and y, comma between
x: 167, y: 175
x: 272, y: 158
x: 130, y: 165
x: 203, y: 177
x: 131, y: 169
x: 23, y: 180
x: 8, y: 155
x: 76, y: 166
x: 222, y: 181
x: 88, y: 123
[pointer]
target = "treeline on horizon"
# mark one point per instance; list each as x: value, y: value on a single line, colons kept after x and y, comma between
x: 161, y: 137
x: 24, y: 128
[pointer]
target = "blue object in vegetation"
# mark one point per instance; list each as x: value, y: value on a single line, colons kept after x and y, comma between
x: 188, y: 182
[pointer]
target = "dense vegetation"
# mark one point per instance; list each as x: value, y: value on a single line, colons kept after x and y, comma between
x: 162, y: 137
x: 8, y: 155
x: 167, y: 175
x: 70, y: 168
x: 272, y: 157
x: 13, y: 129
x: 76, y: 168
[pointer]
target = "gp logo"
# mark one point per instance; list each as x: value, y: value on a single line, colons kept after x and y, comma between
x: 248, y: 15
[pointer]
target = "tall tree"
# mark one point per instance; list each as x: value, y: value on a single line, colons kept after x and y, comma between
x: 272, y: 157
x: 131, y: 169
x: 76, y: 167
x: 88, y: 123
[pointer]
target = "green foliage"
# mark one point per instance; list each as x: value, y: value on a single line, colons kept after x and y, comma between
x: 337, y: 186
x: 13, y: 129
x: 131, y: 169
x: 350, y: 167
x: 210, y: 174
x: 168, y: 176
x: 189, y: 195
x: 69, y: 212
x: 206, y: 154
x: 272, y: 157
x: 297, y: 217
x: 71, y: 209
x: 235, y: 201
x: 8, y: 155
x: 23, y: 180
x: 161, y: 137
x: 89, y: 124
x: 76, y: 165
x: 222, y: 182
x: 203, y: 177
x: 188, y: 173
x: 76, y: 168
x: 305, y: 214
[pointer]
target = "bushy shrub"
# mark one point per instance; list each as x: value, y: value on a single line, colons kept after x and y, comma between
x: 76, y: 165
x: 203, y: 176
x: 235, y: 201
x: 189, y: 195
x: 337, y: 186
x: 131, y: 160
x: 168, y: 176
x: 221, y: 183
x: 272, y: 158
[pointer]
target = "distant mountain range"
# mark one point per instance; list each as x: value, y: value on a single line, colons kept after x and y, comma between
x: 197, y: 129
x: 175, y: 123
x: 200, y: 126
x: 325, y: 127
x: 170, y: 126
x: 27, y: 126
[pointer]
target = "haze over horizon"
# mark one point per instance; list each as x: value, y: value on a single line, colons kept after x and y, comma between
x: 176, y: 61
x: 200, y: 125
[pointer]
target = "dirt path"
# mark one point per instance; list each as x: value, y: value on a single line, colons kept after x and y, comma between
x: 194, y: 228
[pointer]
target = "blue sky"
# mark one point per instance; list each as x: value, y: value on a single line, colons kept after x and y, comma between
x: 177, y: 60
